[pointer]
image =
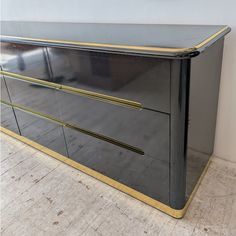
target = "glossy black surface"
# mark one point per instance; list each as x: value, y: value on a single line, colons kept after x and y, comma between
x: 144, y: 129
x: 42, y: 131
x: 180, y: 71
x: 25, y: 60
x: 152, y: 35
x: 203, y: 100
x: 142, y: 79
x: 175, y: 129
x: 140, y: 172
x: 8, y: 120
x: 4, y: 90
x: 33, y: 96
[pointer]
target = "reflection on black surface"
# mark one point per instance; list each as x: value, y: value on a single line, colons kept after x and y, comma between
x: 4, y: 92
x: 25, y: 60
x: 141, y: 79
x: 8, y: 120
x: 141, y: 172
x: 196, y: 163
x: 33, y: 96
x: 150, y: 35
x: 145, y: 174
x: 42, y: 131
x: 144, y: 129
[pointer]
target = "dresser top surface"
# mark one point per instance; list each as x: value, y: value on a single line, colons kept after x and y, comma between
x: 156, y: 39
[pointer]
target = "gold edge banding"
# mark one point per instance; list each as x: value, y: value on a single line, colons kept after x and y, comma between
x: 132, y: 192
x: 206, y: 41
x: 81, y: 92
x: 75, y: 127
x: 105, y: 45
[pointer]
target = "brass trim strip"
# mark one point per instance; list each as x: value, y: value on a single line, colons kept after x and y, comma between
x: 76, y: 127
x: 113, y: 183
x: 105, y: 45
x: 81, y: 92
x: 206, y: 41
x: 129, y: 47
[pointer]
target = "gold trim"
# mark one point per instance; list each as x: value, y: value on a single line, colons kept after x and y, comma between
x: 75, y: 127
x: 129, y: 47
x: 206, y: 41
x: 105, y: 45
x: 138, y: 195
x: 81, y: 92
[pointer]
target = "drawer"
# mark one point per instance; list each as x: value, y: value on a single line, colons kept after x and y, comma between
x: 34, y: 96
x: 145, y: 80
x: 42, y: 131
x: 142, y: 79
x: 8, y: 119
x: 140, y: 172
x: 144, y: 130
x: 25, y: 59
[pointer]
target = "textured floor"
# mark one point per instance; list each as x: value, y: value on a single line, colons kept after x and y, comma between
x: 42, y: 196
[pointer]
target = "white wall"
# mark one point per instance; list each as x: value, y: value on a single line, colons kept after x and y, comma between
x: 152, y: 11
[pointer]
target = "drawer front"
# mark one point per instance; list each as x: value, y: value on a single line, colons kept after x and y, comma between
x: 145, y: 80
x: 143, y: 130
x: 140, y: 172
x: 8, y: 119
x: 33, y: 96
x: 25, y: 59
x: 142, y: 79
x: 4, y: 92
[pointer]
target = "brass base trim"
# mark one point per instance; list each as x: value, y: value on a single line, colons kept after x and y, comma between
x: 134, y: 193
x: 74, y: 127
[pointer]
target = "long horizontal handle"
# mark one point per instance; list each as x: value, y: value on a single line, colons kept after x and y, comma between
x: 81, y: 92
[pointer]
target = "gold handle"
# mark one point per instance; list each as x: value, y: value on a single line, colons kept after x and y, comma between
x: 81, y: 92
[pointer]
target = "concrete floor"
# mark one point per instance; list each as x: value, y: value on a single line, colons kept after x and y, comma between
x: 42, y: 196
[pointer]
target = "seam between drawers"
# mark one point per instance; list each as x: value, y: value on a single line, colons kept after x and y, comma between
x: 176, y: 213
x: 76, y: 127
x: 80, y: 92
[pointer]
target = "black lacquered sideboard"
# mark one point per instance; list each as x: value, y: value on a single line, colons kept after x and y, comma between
x: 132, y: 105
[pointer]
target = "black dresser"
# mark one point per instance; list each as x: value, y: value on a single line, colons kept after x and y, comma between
x: 132, y: 105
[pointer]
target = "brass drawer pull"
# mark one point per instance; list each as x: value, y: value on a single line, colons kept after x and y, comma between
x: 81, y: 92
x: 75, y: 127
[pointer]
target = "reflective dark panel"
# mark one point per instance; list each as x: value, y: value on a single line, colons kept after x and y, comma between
x: 8, y: 120
x: 33, y: 96
x: 147, y: 35
x: 4, y: 91
x: 204, y: 89
x: 141, y: 172
x: 142, y: 79
x: 25, y: 59
x: 144, y: 129
x: 42, y: 131
x: 144, y: 117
